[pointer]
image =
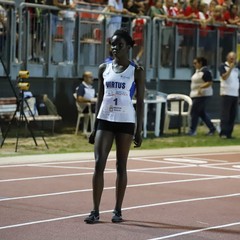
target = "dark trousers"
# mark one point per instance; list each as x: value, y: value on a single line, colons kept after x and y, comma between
x: 198, y: 111
x: 229, y: 105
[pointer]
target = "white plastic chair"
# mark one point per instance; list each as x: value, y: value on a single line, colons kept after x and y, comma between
x: 172, y: 109
x: 87, y: 117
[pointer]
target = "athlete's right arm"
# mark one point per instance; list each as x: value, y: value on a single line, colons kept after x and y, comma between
x: 101, y: 69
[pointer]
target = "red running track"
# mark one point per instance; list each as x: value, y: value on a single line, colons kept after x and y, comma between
x: 193, y: 196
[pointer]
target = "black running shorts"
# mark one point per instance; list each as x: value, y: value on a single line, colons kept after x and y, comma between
x: 116, y: 127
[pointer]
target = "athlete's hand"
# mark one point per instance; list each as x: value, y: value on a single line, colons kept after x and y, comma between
x: 91, y: 138
x: 137, y: 139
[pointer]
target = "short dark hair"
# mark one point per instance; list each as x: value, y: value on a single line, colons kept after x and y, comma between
x: 202, y: 60
x: 123, y: 33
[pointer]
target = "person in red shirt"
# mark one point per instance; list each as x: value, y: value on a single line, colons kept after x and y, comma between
x: 167, y: 34
x: 230, y: 16
x: 206, y: 43
x: 191, y: 12
x: 218, y: 19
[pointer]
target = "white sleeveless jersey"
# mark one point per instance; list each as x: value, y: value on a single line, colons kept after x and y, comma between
x: 119, y: 89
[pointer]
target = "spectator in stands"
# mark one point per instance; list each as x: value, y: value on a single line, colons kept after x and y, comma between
x: 165, y: 11
x: 137, y: 25
x: 68, y: 29
x: 230, y: 17
x: 212, y: 6
x: 191, y: 12
x: 227, y: 3
x: 206, y: 27
x: 229, y: 91
x: 201, y: 91
x: 115, y: 22
x: 218, y: 18
x: 138, y: 37
x: 143, y: 5
x: 35, y: 43
x: 54, y: 20
x: 157, y: 10
x: 116, y: 119
x: 206, y: 44
x: 85, y: 92
x: 133, y: 9
x: 168, y: 38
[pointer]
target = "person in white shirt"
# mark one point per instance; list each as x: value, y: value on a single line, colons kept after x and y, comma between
x: 118, y: 80
x: 229, y: 91
x: 114, y: 22
x: 201, y: 91
x: 68, y: 16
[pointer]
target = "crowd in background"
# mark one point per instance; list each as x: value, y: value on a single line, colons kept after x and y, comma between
x: 205, y: 13
x: 201, y: 12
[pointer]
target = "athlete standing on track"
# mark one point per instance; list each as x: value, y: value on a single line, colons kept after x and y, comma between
x: 115, y: 113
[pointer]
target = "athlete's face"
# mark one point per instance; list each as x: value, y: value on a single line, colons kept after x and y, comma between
x: 119, y: 46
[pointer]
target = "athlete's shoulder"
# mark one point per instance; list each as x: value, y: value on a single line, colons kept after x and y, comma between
x: 104, y: 65
x: 137, y: 66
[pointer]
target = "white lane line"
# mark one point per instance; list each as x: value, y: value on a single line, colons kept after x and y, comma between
x: 236, y: 166
x: 162, y: 168
x: 48, y: 176
x: 193, y: 155
x: 220, y: 164
x: 161, y: 161
x: 124, y: 209
x: 113, y: 187
x: 36, y: 164
x: 177, y: 173
x: 196, y: 231
x: 113, y: 171
x: 185, y: 160
x: 107, y: 170
x: 52, y: 163
x: 92, y: 168
x: 64, y: 167
x: 221, y: 168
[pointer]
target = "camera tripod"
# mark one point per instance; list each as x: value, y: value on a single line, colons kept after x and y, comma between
x: 20, y: 108
x: 22, y: 118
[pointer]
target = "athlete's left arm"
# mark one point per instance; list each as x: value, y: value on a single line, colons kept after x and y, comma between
x: 140, y: 88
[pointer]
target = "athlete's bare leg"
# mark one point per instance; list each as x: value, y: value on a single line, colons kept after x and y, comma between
x: 123, y: 143
x: 102, y: 147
